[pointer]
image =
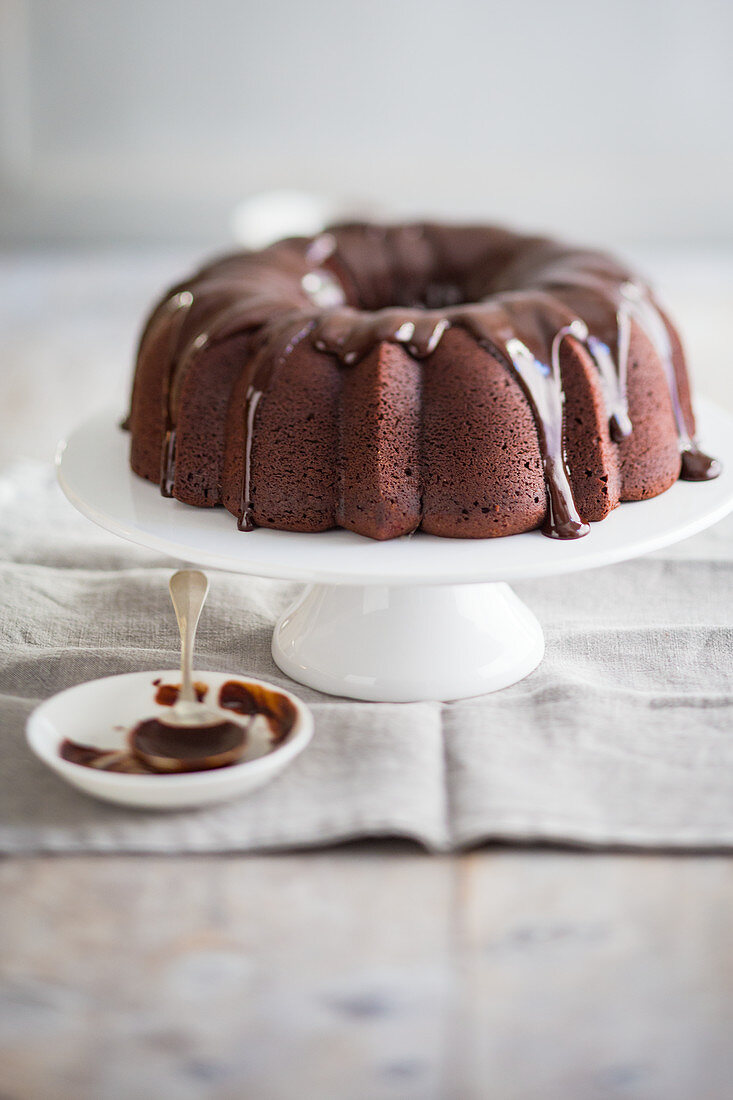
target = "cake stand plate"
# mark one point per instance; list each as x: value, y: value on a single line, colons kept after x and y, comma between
x: 419, y: 617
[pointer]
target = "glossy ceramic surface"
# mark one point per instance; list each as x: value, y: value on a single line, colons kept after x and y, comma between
x: 409, y: 619
x: 100, y: 712
x: 403, y: 644
x: 94, y: 473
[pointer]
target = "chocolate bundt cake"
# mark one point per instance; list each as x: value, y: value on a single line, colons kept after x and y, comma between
x: 467, y: 381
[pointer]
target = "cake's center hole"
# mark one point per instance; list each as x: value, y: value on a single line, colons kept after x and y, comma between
x: 438, y: 295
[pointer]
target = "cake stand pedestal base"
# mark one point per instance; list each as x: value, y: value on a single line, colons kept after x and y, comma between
x: 402, y: 644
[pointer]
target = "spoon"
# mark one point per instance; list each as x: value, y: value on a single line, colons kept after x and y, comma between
x: 189, y: 589
x: 191, y: 736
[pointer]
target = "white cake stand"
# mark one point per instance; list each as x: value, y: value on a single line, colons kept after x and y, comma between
x: 419, y: 617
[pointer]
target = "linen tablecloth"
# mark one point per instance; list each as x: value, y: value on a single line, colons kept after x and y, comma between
x: 623, y: 736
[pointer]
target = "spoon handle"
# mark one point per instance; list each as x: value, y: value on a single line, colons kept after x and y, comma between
x: 188, y: 589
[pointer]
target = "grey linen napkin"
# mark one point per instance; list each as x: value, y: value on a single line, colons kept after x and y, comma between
x: 623, y: 736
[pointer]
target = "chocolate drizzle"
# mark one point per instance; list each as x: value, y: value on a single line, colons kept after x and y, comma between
x: 245, y: 519
x: 544, y: 391
x: 273, y: 354
x: 355, y: 286
x: 696, y: 465
x: 168, y: 462
x: 179, y: 303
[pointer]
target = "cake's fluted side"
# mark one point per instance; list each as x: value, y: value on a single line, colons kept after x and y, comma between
x: 466, y: 380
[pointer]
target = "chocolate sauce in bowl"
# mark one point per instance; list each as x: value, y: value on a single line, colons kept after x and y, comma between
x: 252, y: 699
x: 167, y: 694
x: 163, y: 748
x: 155, y: 748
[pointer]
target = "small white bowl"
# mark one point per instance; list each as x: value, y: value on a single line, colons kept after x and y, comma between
x: 101, y: 712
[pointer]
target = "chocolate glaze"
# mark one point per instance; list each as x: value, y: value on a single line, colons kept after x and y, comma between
x: 697, y: 466
x: 355, y: 286
x: 167, y: 694
x: 165, y: 748
x: 251, y: 699
x: 107, y: 760
x: 273, y: 353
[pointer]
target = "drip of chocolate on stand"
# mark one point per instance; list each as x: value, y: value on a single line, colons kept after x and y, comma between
x: 155, y: 748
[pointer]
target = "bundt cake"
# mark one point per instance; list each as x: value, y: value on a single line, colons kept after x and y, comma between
x: 464, y: 380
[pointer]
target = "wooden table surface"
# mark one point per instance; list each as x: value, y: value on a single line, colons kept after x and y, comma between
x: 367, y: 971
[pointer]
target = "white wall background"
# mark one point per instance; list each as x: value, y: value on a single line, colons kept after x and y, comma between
x: 148, y: 119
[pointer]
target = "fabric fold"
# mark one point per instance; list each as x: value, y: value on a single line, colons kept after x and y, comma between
x: 623, y: 736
